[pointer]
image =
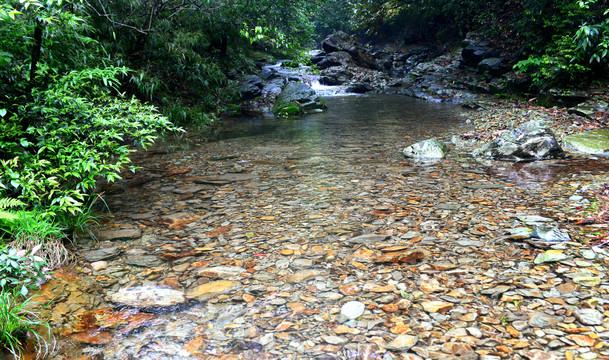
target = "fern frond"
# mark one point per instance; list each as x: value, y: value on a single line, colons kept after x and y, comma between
x: 5, y: 215
x: 7, y: 203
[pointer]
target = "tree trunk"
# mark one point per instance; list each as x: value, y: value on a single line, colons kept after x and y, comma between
x: 36, y: 48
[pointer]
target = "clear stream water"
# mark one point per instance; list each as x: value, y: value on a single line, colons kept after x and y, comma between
x: 354, y: 148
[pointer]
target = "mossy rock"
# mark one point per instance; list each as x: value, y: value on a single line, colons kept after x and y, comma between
x: 296, y: 99
x: 289, y: 109
x: 589, y: 142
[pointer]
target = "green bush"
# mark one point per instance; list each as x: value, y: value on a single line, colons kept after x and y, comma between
x: 20, y: 271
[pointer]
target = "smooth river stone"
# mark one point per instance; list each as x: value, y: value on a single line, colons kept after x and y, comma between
x: 303, y: 275
x: 352, y: 310
x: 402, y: 343
x: 550, y: 233
x: 589, y: 316
x: 212, y: 289
x: 148, y: 297
x: 222, y: 272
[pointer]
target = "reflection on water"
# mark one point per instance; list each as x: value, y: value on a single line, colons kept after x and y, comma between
x: 363, y: 119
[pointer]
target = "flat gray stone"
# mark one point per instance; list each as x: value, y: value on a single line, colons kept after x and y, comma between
x: 550, y: 233
x: 589, y: 316
x: 142, y: 260
x: 122, y: 234
x: 542, y: 320
x: 368, y: 238
x: 101, y: 254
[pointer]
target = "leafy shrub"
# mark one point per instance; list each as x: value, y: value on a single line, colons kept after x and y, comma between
x: 76, y: 134
x: 20, y: 270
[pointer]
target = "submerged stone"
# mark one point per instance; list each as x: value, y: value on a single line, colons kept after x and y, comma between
x: 589, y: 142
x: 427, y: 149
x: 148, y: 297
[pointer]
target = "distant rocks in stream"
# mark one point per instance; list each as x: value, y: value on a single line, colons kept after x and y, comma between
x: 533, y: 140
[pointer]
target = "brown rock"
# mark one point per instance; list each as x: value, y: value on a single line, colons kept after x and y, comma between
x: 437, y: 306
x: 582, y: 340
x: 212, y: 289
x: 402, y: 342
x: 456, y: 348
x: 303, y: 275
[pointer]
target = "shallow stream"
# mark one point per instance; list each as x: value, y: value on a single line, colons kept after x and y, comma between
x: 288, y: 220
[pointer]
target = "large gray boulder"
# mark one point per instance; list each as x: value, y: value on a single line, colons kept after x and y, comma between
x: 338, y: 58
x: 477, y: 51
x: 250, y: 87
x: 340, y: 41
x: 531, y: 141
x: 589, y: 142
x: 296, y: 99
x: 427, y: 149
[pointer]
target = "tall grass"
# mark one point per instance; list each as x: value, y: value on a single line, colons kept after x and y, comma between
x: 20, y: 326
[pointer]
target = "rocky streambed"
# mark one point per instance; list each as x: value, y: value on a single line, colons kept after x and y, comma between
x: 316, y: 239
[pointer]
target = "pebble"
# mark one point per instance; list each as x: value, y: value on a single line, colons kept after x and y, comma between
x: 352, y: 310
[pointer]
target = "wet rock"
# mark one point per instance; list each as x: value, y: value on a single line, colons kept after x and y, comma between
x: 212, y: 289
x: 250, y: 87
x: 336, y: 59
x: 531, y: 141
x: 550, y: 233
x: 335, y: 75
x: 222, y: 272
x: 122, y: 234
x: 340, y: 41
x: 296, y: 99
x: 590, y: 317
x: 551, y: 256
x: 494, y: 66
x: 145, y: 297
x: 352, y: 310
x: 103, y: 253
x: 428, y: 149
x: 588, y: 142
x: 560, y: 97
x: 402, y: 343
x: 542, y: 320
x: 359, y: 88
